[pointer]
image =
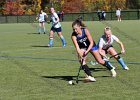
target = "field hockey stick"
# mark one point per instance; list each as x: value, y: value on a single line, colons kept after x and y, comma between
x: 95, y: 62
x: 33, y: 24
x: 115, y: 55
x: 77, y: 78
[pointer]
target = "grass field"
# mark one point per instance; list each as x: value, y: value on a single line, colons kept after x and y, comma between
x: 29, y: 70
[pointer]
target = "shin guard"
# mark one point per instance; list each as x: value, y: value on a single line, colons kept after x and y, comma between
x: 108, y: 65
x: 86, y: 70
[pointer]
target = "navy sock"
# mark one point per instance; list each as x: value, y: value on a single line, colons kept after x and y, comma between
x: 86, y: 70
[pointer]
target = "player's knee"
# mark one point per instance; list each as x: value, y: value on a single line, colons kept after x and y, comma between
x: 101, y: 61
x: 118, y: 57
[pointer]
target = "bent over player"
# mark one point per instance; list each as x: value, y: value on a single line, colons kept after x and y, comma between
x: 105, y: 46
x: 84, y: 44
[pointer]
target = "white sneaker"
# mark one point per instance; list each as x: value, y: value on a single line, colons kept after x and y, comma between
x: 49, y: 45
x: 113, y: 73
x: 126, y: 68
x: 113, y: 67
x: 90, y: 78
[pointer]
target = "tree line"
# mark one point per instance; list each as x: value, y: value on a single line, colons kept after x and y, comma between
x: 20, y: 7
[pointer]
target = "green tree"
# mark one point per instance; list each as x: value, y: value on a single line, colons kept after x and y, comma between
x: 31, y: 6
x: 1, y: 5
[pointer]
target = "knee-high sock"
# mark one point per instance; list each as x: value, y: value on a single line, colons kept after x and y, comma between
x: 51, y: 41
x: 44, y: 29
x: 108, y: 65
x: 86, y: 70
x: 63, y: 39
x: 121, y: 62
x: 39, y: 30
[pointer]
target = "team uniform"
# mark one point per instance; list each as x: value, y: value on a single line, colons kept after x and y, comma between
x: 105, y: 45
x: 83, y: 41
x: 42, y: 17
x: 55, y: 27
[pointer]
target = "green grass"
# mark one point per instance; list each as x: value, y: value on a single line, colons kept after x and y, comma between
x: 31, y: 71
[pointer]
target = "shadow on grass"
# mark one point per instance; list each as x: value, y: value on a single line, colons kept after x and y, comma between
x: 66, y: 78
x: 32, y: 33
x: 39, y: 46
x: 46, y: 46
x: 98, y: 69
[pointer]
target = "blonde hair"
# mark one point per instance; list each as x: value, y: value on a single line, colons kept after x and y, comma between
x: 107, y: 29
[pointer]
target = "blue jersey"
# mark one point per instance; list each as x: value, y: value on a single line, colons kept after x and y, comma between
x: 83, y: 41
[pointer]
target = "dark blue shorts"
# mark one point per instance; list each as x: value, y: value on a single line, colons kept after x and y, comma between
x: 95, y: 47
x: 42, y: 22
x: 107, y: 49
x: 56, y: 29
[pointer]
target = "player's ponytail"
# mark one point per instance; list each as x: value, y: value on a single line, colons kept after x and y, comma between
x: 79, y: 23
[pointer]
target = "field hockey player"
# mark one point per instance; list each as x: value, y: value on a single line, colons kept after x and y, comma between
x: 56, y: 27
x: 105, y: 46
x: 41, y: 17
x: 84, y: 44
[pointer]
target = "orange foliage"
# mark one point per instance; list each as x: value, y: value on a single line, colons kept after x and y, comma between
x: 12, y: 8
x: 72, y: 6
x: 92, y: 5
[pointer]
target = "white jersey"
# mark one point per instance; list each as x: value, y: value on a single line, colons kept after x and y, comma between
x: 118, y: 12
x: 53, y: 17
x: 102, y: 43
x: 42, y: 17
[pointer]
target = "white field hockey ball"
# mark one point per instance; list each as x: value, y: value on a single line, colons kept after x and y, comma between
x: 70, y: 82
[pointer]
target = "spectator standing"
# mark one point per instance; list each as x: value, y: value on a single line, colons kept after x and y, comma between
x: 103, y: 15
x: 58, y: 13
x: 118, y: 14
x: 62, y: 16
x: 99, y: 14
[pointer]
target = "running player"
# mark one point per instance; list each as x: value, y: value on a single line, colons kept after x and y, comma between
x: 41, y: 18
x: 84, y: 44
x: 56, y: 27
x: 105, y: 46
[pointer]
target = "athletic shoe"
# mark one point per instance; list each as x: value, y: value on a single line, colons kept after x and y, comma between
x: 113, y: 73
x: 64, y: 45
x: 113, y: 67
x: 126, y: 68
x: 49, y: 45
x: 89, y: 78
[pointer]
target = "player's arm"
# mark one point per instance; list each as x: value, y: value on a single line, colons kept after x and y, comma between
x: 90, y: 40
x: 45, y: 17
x: 56, y: 18
x: 120, y: 44
x: 100, y: 48
x: 37, y: 17
x: 73, y: 37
